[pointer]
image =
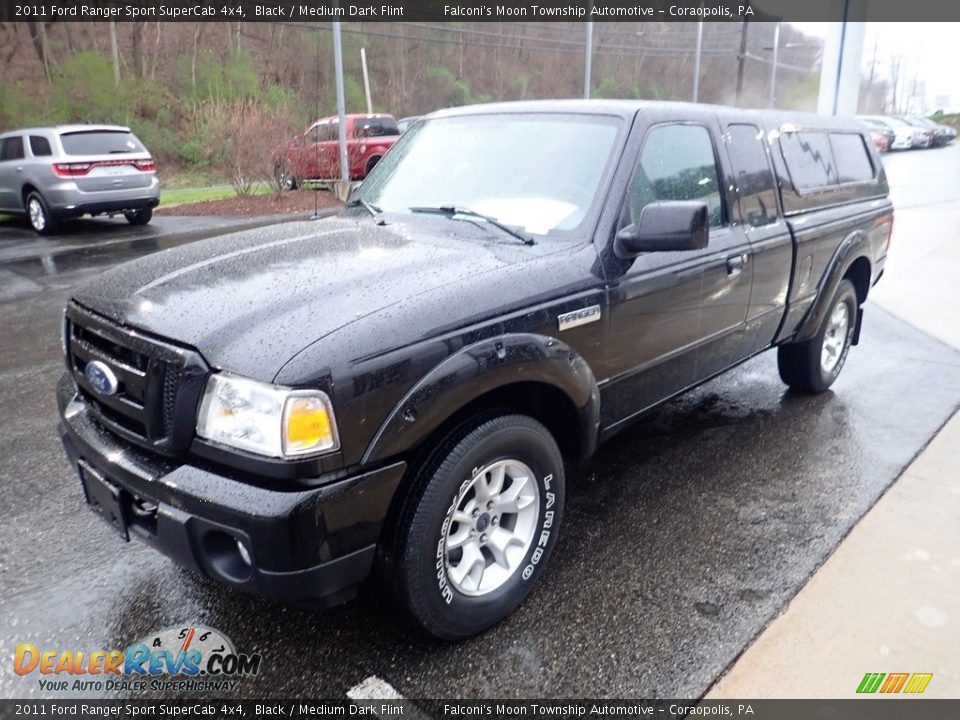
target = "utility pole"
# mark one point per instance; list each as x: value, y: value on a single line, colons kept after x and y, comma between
x: 696, y: 62
x: 873, y: 71
x: 773, y: 67
x: 366, y: 80
x: 341, y: 107
x: 741, y: 59
x: 588, y: 61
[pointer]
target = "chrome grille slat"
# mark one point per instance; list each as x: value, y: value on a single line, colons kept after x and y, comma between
x: 119, y: 403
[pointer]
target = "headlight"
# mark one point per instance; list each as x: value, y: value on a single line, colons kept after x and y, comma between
x: 266, y: 419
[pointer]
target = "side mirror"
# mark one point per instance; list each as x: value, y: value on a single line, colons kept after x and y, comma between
x: 665, y: 225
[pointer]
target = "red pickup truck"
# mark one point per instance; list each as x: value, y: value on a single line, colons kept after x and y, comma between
x: 314, y: 155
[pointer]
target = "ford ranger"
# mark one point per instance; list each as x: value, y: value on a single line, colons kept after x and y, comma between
x: 397, y: 391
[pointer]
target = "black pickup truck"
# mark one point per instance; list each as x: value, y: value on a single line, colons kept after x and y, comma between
x: 399, y: 388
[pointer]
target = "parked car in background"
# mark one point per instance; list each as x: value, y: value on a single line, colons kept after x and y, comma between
x: 405, y: 123
x: 315, y: 154
x: 52, y: 173
x: 905, y: 136
x: 930, y: 135
x: 882, y: 138
x: 942, y: 134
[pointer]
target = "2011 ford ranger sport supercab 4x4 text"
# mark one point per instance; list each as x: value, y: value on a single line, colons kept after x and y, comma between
x: 398, y: 388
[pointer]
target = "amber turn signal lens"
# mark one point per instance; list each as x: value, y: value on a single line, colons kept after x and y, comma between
x: 308, y: 426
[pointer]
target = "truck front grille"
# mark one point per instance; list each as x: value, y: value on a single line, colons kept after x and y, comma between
x: 153, y: 377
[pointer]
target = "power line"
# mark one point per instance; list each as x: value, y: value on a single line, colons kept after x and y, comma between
x: 574, y: 48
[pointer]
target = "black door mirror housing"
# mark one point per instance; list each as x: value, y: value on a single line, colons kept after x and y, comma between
x: 665, y: 225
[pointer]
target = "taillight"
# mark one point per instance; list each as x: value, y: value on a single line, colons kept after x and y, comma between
x: 145, y: 165
x: 885, y: 222
x: 71, y: 169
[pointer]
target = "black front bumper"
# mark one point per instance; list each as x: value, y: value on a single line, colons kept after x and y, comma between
x: 313, y: 546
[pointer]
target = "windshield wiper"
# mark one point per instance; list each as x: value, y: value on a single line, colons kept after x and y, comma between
x: 372, y: 209
x: 452, y: 210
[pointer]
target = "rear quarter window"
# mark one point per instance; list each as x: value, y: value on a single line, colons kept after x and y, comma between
x: 375, y: 127
x: 101, y: 142
x: 40, y: 146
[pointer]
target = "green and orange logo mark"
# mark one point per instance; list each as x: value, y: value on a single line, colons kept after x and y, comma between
x: 914, y: 683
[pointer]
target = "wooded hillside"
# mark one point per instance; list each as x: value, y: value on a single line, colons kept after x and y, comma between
x: 218, y: 95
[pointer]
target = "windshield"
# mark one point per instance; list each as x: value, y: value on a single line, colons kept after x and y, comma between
x: 541, y: 173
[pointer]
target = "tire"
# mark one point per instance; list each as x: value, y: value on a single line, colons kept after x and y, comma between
x: 371, y: 164
x: 139, y: 217
x: 813, y: 366
x: 39, y: 215
x: 424, y: 564
x: 284, y: 176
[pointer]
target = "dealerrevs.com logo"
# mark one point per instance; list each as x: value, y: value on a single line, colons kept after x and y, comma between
x: 190, y: 658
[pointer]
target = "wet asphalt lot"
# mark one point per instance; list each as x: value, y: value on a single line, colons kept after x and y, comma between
x: 682, y: 539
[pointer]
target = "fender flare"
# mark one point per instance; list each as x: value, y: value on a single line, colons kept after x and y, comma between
x: 854, y: 246
x: 479, y: 369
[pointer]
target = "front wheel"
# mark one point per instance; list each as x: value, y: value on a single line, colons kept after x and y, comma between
x: 478, y: 526
x: 814, y: 365
x: 284, y: 177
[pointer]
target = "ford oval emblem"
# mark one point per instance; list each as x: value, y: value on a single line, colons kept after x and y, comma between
x: 101, y: 378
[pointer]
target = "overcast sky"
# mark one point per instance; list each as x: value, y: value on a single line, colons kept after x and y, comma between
x: 929, y: 49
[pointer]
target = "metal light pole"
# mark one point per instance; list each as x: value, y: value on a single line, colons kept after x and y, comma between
x: 341, y: 105
x: 588, y: 61
x: 696, y: 62
x: 773, y: 67
x: 366, y: 80
x: 741, y: 59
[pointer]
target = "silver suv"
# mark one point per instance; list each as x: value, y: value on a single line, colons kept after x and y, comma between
x: 70, y: 170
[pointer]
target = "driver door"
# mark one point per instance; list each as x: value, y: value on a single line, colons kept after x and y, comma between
x: 676, y: 317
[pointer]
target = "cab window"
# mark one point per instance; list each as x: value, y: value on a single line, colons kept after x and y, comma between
x: 754, y: 180
x: 677, y: 163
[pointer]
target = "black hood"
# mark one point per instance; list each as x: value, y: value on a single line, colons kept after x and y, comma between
x: 250, y: 301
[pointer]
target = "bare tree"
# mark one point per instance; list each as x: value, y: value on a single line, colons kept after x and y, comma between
x: 197, y: 31
x: 38, y: 34
x: 114, y: 53
x: 156, y: 54
x: 136, y: 42
x: 13, y: 43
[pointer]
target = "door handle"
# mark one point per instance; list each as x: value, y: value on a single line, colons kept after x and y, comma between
x: 736, y: 264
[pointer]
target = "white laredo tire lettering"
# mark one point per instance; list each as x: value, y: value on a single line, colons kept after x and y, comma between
x: 545, y: 535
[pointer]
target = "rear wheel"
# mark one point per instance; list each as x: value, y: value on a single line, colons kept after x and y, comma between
x: 371, y: 164
x: 814, y: 365
x: 478, y: 525
x: 41, y: 220
x: 139, y: 217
